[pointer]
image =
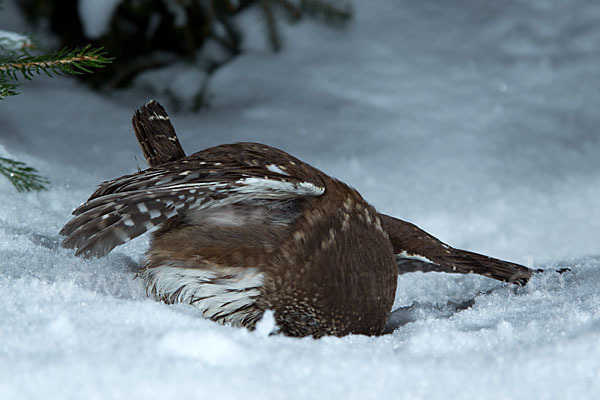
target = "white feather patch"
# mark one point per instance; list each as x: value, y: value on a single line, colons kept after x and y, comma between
x: 156, y: 116
x: 154, y: 214
x: 277, y: 169
x: 265, y: 188
x: 217, y: 292
x: 417, y: 257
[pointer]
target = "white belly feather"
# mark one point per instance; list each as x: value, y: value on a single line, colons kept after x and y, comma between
x: 224, y: 294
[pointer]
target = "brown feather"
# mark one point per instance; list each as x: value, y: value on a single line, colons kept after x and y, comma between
x: 246, y: 227
x: 156, y: 134
x: 408, y: 238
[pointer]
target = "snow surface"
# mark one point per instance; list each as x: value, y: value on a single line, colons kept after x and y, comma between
x: 477, y: 121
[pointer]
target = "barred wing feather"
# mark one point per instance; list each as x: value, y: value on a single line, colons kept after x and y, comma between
x: 127, y: 207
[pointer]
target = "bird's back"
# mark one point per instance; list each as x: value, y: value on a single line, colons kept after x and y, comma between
x: 336, y: 273
x: 324, y: 263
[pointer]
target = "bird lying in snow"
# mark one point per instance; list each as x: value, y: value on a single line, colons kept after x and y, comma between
x: 245, y: 227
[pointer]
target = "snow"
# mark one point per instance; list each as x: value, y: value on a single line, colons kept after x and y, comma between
x: 267, y: 324
x: 476, y: 121
x: 13, y: 41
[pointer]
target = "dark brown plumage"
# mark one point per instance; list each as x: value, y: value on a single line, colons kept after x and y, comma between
x: 246, y: 227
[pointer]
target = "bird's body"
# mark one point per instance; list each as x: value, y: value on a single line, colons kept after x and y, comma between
x: 261, y: 253
x: 246, y: 227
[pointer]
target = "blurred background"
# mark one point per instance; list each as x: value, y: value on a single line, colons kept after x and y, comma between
x: 476, y: 120
x: 192, y: 37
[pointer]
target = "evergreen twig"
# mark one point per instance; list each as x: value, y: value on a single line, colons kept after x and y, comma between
x: 23, y: 177
x: 330, y: 13
x: 271, y: 25
x: 294, y: 11
x: 62, y: 62
x: 291, y: 10
x: 7, y: 89
x: 15, y: 61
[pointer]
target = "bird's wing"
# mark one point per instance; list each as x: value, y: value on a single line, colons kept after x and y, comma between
x: 416, y: 250
x: 127, y: 207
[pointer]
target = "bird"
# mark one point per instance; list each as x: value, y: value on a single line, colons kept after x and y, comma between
x: 242, y: 228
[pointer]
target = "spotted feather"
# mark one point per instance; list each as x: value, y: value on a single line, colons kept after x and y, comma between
x: 127, y: 207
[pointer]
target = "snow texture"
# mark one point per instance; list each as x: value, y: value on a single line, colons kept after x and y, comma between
x: 478, y: 121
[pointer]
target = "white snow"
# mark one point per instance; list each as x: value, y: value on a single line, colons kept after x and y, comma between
x: 13, y: 41
x: 266, y: 325
x: 478, y: 121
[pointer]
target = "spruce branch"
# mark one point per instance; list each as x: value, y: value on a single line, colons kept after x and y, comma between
x: 330, y: 13
x: 271, y: 25
x: 291, y: 11
x: 294, y: 10
x: 7, y: 89
x: 61, y: 62
x: 23, y: 177
x: 16, y: 60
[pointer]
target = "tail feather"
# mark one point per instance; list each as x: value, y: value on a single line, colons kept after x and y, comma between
x: 156, y: 134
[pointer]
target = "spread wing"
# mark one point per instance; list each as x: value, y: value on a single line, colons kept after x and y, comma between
x: 416, y: 250
x: 126, y: 207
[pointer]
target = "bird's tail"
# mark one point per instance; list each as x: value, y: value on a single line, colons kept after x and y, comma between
x: 156, y: 134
